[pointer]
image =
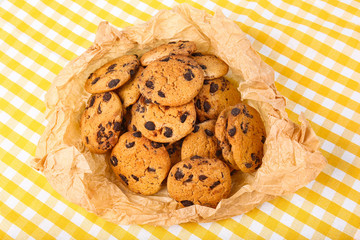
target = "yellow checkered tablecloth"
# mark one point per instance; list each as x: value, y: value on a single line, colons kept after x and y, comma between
x: 314, y: 48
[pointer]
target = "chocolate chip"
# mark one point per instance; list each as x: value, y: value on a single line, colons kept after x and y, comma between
x: 214, y: 87
x: 203, y: 66
x: 195, y: 157
x: 179, y: 174
x: 207, y: 106
x: 125, y: 64
x: 189, y: 166
x: 214, y: 185
x: 113, y: 83
x: 113, y: 161
x: 151, y: 169
x: 232, y: 131
x: 149, y: 84
x: 145, y: 146
x: 196, y: 128
x: 140, y: 108
x: 165, y: 59
x: 244, y: 127
x: 180, y: 60
x: 111, y: 68
x: 171, y: 150
x: 150, y: 126
x: 206, y: 82
x: 186, y: 203
x: 235, y: 111
x: 107, y: 96
x: 92, y: 101
x: 117, y: 126
x: 255, y: 158
x: 99, y: 111
x: 189, y: 75
x: 248, y: 165
x: 181, y: 46
x: 198, y: 104
x: 95, y: 80
x: 91, y: 74
x: 126, y: 181
x: 147, y: 100
x: 172, y: 42
x: 134, y: 127
x: 183, y: 117
x: 132, y: 72
x: 246, y: 112
x: 135, y: 177
x: 202, y: 177
x: 87, y: 139
x: 130, y: 144
x: 156, y: 144
x: 189, y: 178
x: 209, y: 133
x: 137, y: 134
x: 168, y: 132
x: 161, y: 94
x: 263, y: 139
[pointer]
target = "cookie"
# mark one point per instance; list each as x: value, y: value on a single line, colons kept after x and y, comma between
x: 101, y: 122
x: 200, y: 181
x: 171, y: 81
x: 213, y: 66
x: 164, y: 50
x: 140, y: 164
x: 162, y: 123
x: 129, y: 92
x: 243, y: 131
x: 214, y: 96
x: 174, y: 150
x: 112, y: 75
x: 201, y: 142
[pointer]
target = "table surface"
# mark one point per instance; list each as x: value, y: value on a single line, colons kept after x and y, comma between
x: 314, y: 48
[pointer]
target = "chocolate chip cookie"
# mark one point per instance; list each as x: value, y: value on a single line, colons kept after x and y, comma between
x: 164, y: 50
x: 162, y: 123
x: 139, y: 163
x: 129, y: 92
x: 215, y: 96
x: 241, y: 129
x: 200, y: 181
x: 112, y: 75
x: 213, y: 66
x: 201, y: 142
x: 171, y: 81
x: 101, y: 122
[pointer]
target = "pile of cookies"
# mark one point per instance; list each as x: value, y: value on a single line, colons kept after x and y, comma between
x: 172, y: 114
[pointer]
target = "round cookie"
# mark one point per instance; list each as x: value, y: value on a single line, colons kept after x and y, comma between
x: 220, y: 134
x: 213, y: 66
x: 214, y: 96
x: 112, y: 75
x: 161, y: 123
x: 201, y: 142
x: 129, y: 92
x: 245, y: 132
x: 200, y: 181
x: 241, y: 134
x: 101, y: 122
x: 164, y: 50
x: 171, y: 81
x: 139, y: 163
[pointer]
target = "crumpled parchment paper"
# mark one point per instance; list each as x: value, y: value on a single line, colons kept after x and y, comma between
x: 291, y: 159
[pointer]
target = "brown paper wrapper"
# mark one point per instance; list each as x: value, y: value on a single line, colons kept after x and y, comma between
x: 291, y: 157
